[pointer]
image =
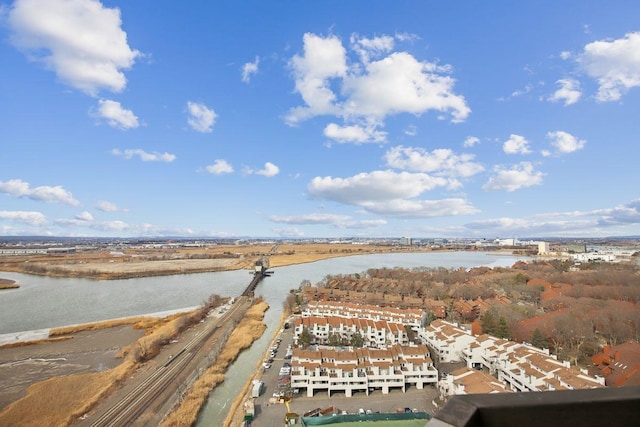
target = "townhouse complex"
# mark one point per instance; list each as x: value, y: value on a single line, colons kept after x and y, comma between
x: 362, y: 369
x: 519, y: 366
x: 398, y: 349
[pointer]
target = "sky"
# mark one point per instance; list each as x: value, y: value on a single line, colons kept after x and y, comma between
x: 304, y: 119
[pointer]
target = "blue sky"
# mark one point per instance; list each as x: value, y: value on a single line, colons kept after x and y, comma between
x: 320, y: 119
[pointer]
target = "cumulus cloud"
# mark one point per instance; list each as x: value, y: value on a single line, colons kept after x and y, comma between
x: 105, y: 206
x: 516, y: 144
x: 441, y: 161
x: 115, y: 115
x: 564, y: 142
x: 470, y: 141
x: 389, y: 193
x: 249, y: 69
x: 25, y: 217
x: 81, y: 41
x: 519, y: 176
x: 143, y: 155
x: 269, y: 170
x: 373, y: 186
x: 365, y: 88
x: 219, y: 167
x: 355, y: 133
x: 420, y: 208
x: 367, y: 48
x: 201, y: 118
x: 569, y: 92
x: 615, y: 64
x: 84, y: 216
x: 323, y: 59
x: 45, y: 193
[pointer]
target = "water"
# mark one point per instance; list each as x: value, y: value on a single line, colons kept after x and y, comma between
x: 43, y: 302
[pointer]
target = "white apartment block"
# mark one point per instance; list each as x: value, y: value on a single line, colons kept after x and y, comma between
x: 375, y: 333
x: 521, y: 367
x: 412, y: 317
x: 470, y: 381
x: 362, y: 369
x: 447, y: 340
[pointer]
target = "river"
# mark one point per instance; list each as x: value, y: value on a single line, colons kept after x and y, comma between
x: 44, y: 302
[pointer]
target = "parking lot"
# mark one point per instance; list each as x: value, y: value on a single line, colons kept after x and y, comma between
x: 269, y: 412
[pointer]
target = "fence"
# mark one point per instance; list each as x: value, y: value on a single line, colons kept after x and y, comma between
x: 350, y: 418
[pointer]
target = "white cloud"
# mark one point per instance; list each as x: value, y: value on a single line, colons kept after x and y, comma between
x: 470, y: 141
x: 442, y: 161
x: 598, y: 222
x: 219, y: 167
x: 81, y: 41
x: 356, y: 134
x: 310, y: 219
x: 26, y: 217
x: 249, y: 69
x: 389, y: 193
x: 323, y: 59
x: 519, y: 176
x: 564, y: 142
x: 144, y: 156
x: 516, y: 144
x: 400, y: 83
x: 115, y: 115
x: 371, y: 48
x: 615, y: 64
x: 201, y: 118
x: 84, y: 216
x: 368, y: 90
x: 373, y: 186
x: 338, y: 221
x: 569, y: 92
x: 45, y: 193
x: 105, y: 206
x: 420, y: 208
x: 269, y: 170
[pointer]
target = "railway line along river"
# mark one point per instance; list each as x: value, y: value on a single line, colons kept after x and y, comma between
x: 44, y: 302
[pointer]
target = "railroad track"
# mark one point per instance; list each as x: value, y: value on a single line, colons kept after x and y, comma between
x: 131, y: 406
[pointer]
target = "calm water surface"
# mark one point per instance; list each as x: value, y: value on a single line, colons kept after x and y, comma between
x: 43, y: 302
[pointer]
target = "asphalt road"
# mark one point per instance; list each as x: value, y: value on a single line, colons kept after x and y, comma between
x: 270, y: 414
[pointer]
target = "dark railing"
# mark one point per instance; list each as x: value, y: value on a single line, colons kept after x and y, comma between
x: 576, y: 408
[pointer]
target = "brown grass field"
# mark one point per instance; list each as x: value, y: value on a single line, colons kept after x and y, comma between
x: 8, y: 284
x: 105, y: 265
x: 60, y: 400
x: 250, y: 328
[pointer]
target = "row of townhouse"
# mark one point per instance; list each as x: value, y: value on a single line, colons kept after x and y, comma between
x: 362, y: 369
x: 470, y: 381
x: 411, y: 317
x: 375, y: 333
x: 521, y: 367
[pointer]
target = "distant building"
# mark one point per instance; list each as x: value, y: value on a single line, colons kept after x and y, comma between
x: 405, y: 241
x: 577, y: 248
x: 543, y: 248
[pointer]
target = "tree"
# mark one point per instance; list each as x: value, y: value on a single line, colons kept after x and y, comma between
x: 357, y: 340
x: 539, y: 340
x: 304, y: 339
x: 289, y: 303
x: 489, y: 324
x: 503, y: 329
x: 334, y: 340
